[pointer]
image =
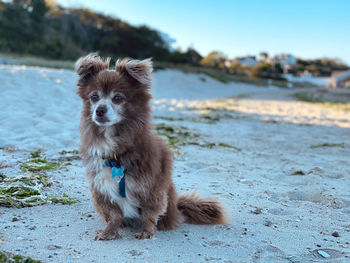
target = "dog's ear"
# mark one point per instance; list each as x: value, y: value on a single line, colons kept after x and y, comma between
x: 139, y: 70
x: 88, y: 67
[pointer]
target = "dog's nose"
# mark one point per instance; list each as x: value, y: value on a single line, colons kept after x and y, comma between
x: 101, y: 110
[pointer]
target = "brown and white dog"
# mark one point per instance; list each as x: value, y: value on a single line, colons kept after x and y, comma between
x: 116, y: 126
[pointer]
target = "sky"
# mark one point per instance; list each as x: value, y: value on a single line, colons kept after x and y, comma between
x: 307, y: 29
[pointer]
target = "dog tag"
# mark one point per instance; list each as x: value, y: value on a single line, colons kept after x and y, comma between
x: 117, y: 171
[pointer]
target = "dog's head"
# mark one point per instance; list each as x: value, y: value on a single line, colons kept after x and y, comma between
x: 113, y: 96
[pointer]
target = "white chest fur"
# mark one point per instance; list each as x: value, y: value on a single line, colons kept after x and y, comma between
x: 109, y: 187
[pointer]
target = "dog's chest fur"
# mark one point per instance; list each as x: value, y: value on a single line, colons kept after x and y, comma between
x: 109, y: 187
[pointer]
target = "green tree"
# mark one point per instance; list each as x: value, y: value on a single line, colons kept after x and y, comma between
x: 263, y: 55
x: 261, y: 70
x: 214, y: 59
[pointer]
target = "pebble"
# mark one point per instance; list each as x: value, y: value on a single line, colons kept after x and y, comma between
x: 257, y: 211
x: 53, y: 247
x: 267, y: 223
x: 31, y: 227
x: 335, y: 234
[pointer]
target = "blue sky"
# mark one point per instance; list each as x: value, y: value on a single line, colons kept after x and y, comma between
x: 308, y: 29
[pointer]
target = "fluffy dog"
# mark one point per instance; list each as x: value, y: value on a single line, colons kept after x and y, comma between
x: 128, y: 167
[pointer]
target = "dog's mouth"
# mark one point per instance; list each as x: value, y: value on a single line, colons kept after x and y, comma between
x: 102, y: 121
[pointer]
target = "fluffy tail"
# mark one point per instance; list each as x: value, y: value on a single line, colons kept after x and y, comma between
x: 202, y: 211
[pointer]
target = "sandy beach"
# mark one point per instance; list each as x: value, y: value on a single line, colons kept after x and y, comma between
x: 281, y: 167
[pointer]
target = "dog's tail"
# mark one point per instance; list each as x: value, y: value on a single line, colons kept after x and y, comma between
x: 202, y: 211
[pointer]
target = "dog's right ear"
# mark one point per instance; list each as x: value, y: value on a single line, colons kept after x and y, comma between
x: 87, y: 67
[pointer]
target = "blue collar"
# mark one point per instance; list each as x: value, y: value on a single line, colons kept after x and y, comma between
x: 118, y: 171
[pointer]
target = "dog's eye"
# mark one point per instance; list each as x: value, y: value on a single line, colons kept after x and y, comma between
x: 117, y: 99
x: 94, y: 97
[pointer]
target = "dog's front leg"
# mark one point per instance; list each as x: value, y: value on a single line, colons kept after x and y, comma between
x: 148, y: 227
x: 110, y: 232
x: 150, y: 212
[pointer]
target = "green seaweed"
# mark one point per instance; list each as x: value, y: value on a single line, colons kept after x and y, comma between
x: 36, y: 154
x: 2, y: 177
x: 303, y: 96
x: 166, y: 118
x: 298, y: 172
x: 341, y: 145
x: 242, y: 96
x: 19, y: 191
x: 203, y: 118
x: 26, y: 191
x: 31, y: 179
x: 64, y: 199
x: 229, y: 146
x: 211, y: 145
x: 39, y: 164
x: 3, y: 257
x: 68, y: 156
x: 64, y: 152
x: 14, y: 258
x: 23, y: 191
x: 338, y: 103
x: 177, y: 136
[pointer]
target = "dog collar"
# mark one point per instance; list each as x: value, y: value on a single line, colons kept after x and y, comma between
x: 117, y: 171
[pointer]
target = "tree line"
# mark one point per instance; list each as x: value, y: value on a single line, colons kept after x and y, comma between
x: 44, y: 28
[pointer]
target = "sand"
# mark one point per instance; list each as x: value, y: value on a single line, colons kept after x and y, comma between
x: 286, y: 190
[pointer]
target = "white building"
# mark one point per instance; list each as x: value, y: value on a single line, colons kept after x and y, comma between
x: 340, y: 79
x: 287, y: 61
x: 249, y: 61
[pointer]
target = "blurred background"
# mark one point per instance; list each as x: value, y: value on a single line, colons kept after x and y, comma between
x: 229, y: 40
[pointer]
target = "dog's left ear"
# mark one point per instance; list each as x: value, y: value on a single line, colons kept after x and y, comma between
x: 139, y: 70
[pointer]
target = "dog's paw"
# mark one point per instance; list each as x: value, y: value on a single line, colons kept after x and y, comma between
x: 103, y: 235
x: 144, y: 235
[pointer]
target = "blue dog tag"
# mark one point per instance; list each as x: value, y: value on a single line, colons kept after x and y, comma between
x: 117, y: 171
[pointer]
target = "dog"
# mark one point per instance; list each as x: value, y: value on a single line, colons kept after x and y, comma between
x: 128, y: 167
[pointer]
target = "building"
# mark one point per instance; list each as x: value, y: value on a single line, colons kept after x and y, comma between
x: 340, y: 79
x: 287, y: 61
x: 249, y: 61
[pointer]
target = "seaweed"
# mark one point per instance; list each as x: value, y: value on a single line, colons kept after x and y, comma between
x: 64, y: 199
x: 202, y: 118
x: 64, y: 152
x: 177, y: 136
x: 26, y: 191
x: 14, y: 258
x: 39, y: 164
x: 298, y: 172
x: 221, y: 144
x: 23, y: 191
x: 68, y: 156
x: 36, y: 154
x: 341, y: 145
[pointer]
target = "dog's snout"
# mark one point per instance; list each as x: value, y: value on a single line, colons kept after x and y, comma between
x: 101, y: 110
